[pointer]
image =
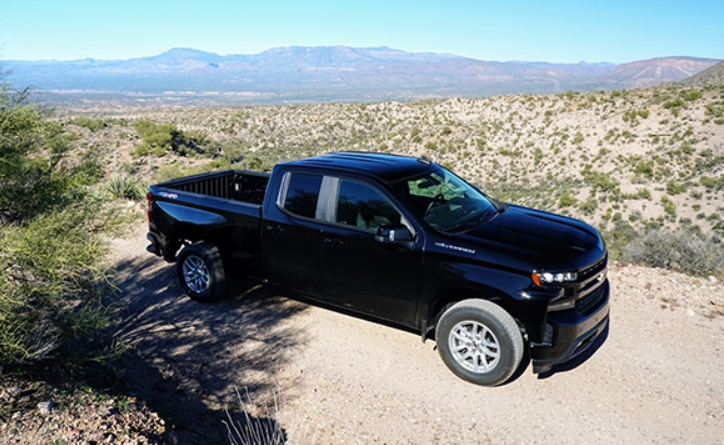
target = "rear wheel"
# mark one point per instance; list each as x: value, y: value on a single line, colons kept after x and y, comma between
x: 201, y: 272
x: 480, y: 342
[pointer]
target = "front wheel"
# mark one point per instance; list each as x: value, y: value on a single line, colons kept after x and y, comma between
x: 201, y: 272
x: 480, y: 342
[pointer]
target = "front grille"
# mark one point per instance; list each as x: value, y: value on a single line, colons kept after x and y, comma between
x: 593, y: 269
x: 591, y: 300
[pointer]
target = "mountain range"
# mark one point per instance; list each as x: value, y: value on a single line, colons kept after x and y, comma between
x: 337, y: 73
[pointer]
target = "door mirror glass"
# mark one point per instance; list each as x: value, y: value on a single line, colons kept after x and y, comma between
x: 395, y: 234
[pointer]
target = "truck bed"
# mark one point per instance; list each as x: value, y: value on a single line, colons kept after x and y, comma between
x: 236, y: 185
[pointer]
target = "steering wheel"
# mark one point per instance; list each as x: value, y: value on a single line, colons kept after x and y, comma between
x: 438, y: 200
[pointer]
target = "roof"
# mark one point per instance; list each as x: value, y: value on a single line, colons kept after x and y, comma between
x: 383, y: 166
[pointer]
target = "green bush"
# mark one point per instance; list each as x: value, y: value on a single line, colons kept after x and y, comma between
x: 674, y: 188
x: 31, y: 149
x: 708, y: 181
x: 691, y: 95
x: 124, y: 187
x: 566, y: 200
x: 601, y: 181
x: 589, y: 207
x: 430, y: 145
x: 91, y: 124
x: 158, y: 139
x: 670, y: 104
x: 618, y: 238
x: 678, y: 250
x: 52, y: 283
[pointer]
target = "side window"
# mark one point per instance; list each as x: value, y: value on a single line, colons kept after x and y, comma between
x: 361, y: 206
x: 302, y: 194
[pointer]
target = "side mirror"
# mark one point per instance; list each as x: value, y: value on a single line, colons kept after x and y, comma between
x: 393, y: 234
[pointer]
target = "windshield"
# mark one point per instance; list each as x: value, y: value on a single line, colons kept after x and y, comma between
x: 444, y: 201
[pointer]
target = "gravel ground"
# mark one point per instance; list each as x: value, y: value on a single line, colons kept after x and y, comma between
x: 77, y: 417
x: 656, y: 379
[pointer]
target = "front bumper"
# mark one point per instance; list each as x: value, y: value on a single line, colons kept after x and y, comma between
x: 572, y: 334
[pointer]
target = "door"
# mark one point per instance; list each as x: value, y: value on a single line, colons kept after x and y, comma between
x: 291, y: 237
x: 361, y: 273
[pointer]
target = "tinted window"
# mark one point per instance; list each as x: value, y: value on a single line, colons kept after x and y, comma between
x: 303, y: 194
x: 445, y: 201
x: 361, y: 206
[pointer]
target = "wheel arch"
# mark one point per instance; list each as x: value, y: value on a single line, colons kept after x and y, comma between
x: 447, y: 297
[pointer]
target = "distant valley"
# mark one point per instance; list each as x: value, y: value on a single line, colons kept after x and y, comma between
x: 325, y: 74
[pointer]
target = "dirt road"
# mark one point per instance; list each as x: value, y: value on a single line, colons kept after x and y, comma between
x: 658, y: 378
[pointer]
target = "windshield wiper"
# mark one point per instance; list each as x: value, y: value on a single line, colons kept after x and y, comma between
x: 466, y: 225
x: 462, y: 227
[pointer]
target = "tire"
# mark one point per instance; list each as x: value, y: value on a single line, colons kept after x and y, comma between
x: 480, y: 342
x: 201, y: 272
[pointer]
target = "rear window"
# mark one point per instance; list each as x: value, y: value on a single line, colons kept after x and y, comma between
x: 302, y: 194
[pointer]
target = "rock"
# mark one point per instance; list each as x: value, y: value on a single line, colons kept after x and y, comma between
x: 712, y: 279
x: 45, y: 407
x: 10, y: 393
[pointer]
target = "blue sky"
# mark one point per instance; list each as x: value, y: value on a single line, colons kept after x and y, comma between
x: 555, y: 31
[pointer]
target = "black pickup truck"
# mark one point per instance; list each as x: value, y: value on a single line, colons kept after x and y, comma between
x: 398, y: 239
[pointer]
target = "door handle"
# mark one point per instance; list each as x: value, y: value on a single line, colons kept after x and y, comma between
x: 276, y: 229
x: 333, y: 242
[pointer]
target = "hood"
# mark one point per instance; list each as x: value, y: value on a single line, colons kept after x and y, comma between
x: 534, y: 239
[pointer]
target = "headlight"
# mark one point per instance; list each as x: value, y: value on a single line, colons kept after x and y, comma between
x: 546, y: 278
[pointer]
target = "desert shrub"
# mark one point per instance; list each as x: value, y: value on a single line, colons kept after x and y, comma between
x: 32, y: 147
x: 691, y: 95
x: 714, y: 110
x: 669, y: 104
x: 708, y: 181
x: 52, y: 283
x: 124, y: 187
x: 680, y: 250
x: 91, y: 124
x: 601, y: 181
x: 566, y: 200
x: 643, y: 193
x: 669, y: 206
x: 249, y: 429
x: 161, y: 138
x: 620, y: 237
x: 674, y: 188
x: 589, y: 206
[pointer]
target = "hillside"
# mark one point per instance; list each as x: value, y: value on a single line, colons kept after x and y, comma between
x: 628, y: 162
x: 712, y: 76
x: 324, y: 74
